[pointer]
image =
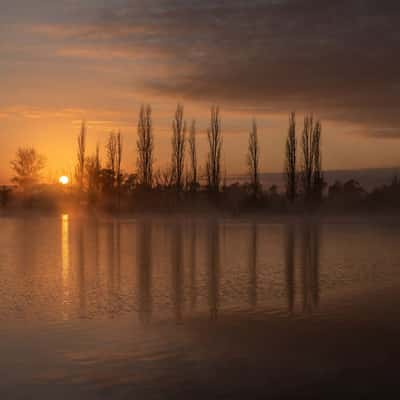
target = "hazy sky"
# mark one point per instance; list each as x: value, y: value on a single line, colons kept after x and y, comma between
x: 67, y: 60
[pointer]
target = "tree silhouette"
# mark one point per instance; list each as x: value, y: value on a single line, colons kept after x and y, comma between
x: 27, y: 165
x: 80, y: 166
x: 111, y: 154
x: 253, y: 158
x: 290, y: 162
x: 311, y: 173
x: 118, y: 167
x: 318, y: 180
x: 93, y: 174
x: 213, y: 166
x: 97, y: 167
x: 4, y: 195
x: 178, y: 147
x: 145, y: 147
x: 114, y: 158
x: 163, y: 178
x: 193, y: 183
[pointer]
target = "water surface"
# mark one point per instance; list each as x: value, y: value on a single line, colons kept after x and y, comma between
x: 197, y: 308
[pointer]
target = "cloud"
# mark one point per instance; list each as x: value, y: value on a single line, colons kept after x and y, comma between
x: 338, y: 58
x: 74, y: 114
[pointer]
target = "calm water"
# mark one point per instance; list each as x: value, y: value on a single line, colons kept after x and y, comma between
x: 197, y: 308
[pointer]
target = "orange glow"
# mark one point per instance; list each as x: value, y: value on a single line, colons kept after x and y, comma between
x: 64, y: 180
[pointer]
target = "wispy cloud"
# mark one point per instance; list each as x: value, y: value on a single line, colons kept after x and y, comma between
x: 339, y: 58
x: 76, y: 115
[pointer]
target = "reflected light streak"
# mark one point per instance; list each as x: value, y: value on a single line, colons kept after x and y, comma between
x: 65, y: 262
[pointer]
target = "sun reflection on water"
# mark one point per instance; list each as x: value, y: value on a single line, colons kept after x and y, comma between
x: 65, y: 261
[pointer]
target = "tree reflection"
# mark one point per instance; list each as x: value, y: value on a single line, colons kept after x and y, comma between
x: 177, y: 269
x: 193, y: 264
x: 213, y: 268
x: 310, y: 266
x: 289, y: 264
x: 310, y: 255
x: 253, y: 253
x: 144, y: 268
x: 80, y: 248
x: 110, y: 243
x: 65, y: 262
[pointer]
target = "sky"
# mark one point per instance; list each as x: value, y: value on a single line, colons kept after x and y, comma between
x: 65, y: 61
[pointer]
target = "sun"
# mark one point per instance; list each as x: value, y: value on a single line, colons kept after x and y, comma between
x: 64, y: 180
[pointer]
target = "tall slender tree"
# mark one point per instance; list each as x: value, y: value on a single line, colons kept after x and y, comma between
x: 213, y: 166
x: 311, y: 173
x: 97, y: 167
x: 92, y: 178
x: 93, y: 172
x: 318, y: 180
x: 193, y: 181
x: 81, y: 154
x: 308, y: 162
x: 253, y: 159
x: 145, y: 147
x: 111, y: 153
x: 291, y: 155
x: 114, y: 159
x: 119, y: 166
x: 178, y: 147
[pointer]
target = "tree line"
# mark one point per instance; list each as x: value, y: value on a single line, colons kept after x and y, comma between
x: 97, y: 176
x: 303, y: 177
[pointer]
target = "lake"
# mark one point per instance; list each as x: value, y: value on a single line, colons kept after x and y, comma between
x: 183, y: 308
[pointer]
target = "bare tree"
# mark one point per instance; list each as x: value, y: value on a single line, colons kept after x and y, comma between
x: 178, y: 147
x: 111, y: 153
x: 27, y: 165
x: 80, y: 166
x: 97, y: 167
x: 145, y: 147
x: 167, y: 178
x: 92, y: 177
x: 253, y: 159
x: 157, y: 178
x: 318, y: 180
x: 291, y: 154
x: 213, y: 166
x: 193, y: 181
x: 311, y: 166
x: 93, y: 174
x: 118, y: 166
x: 225, y: 176
x: 308, y: 155
x: 163, y: 178
x: 114, y: 159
